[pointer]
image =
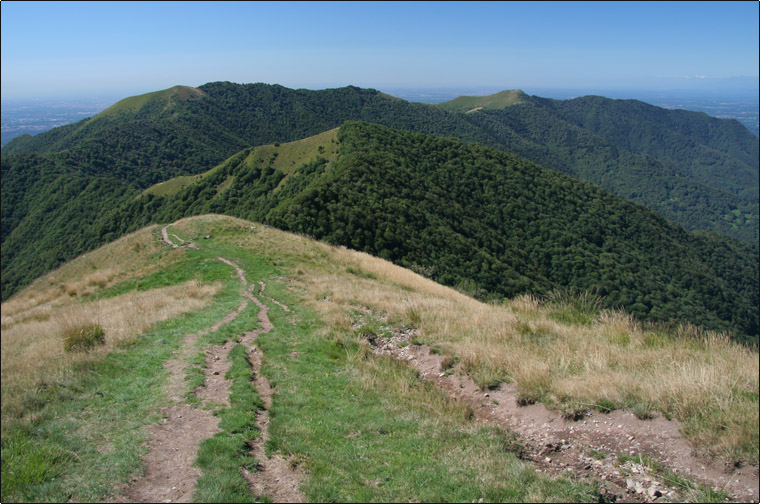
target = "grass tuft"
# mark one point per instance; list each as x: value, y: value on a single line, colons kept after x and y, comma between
x: 83, y: 338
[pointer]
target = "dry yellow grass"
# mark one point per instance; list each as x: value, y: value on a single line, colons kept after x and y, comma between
x: 32, y: 348
x: 702, y: 379
x: 34, y: 320
x: 133, y: 255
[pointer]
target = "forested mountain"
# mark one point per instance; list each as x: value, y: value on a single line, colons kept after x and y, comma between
x: 70, y: 189
x: 489, y: 222
x: 697, y: 171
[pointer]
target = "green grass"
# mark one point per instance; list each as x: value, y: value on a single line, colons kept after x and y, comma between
x: 291, y: 155
x: 135, y: 103
x: 360, y: 427
x: 171, y: 186
x: 495, y: 101
x: 80, y: 435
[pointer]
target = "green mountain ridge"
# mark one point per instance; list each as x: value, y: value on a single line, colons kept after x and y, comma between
x: 489, y: 222
x: 495, y: 101
x: 694, y: 181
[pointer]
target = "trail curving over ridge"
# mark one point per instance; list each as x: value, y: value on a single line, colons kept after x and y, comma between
x: 174, y: 443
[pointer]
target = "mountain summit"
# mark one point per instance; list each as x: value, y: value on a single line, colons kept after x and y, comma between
x: 500, y: 100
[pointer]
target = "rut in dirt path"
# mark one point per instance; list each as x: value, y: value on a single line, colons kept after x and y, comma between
x: 274, y: 477
x: 174, y: 443
x: 589, y: 446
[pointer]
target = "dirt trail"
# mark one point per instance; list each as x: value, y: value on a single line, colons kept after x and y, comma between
x: 588, y: 446
x: 274, y: 476
x: 174, y: 443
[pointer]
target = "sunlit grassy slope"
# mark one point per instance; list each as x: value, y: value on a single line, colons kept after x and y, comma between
x: 134, y: 104
x: 286, y: 157
x: 491, y: 102
x: 361, y: 427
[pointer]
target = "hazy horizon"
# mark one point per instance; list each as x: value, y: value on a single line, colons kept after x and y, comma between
x: 120, y: 49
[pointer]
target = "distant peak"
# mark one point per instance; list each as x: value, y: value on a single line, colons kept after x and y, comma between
x: 499, y: 100
x: 187, y: 92
x: 134, y: 104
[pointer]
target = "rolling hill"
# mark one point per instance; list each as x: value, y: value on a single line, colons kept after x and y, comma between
x: 697, y: 171
x: 470, y: 104
x: 491, y: 223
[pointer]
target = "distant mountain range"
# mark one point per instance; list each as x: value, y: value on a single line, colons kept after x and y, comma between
x: 491, y: 222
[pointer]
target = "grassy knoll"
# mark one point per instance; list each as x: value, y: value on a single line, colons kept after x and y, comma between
x: 134, y: 104
x: 285, y: 157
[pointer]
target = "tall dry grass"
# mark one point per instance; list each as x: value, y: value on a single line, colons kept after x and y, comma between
x: 700, y: 378
x: 136, y: 254
x: 32, y: 346
x: 34, y: 320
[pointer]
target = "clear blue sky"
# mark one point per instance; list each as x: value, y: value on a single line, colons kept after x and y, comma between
x: 126, y: 48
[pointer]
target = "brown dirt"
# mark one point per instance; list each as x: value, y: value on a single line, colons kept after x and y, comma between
x: 588, y: 447
x: 173, y: 445
x: 165, y: 237
x: 274, y: 477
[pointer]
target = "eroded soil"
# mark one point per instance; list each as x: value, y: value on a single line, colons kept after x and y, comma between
x: 588, y: 447
x: 174, y: 442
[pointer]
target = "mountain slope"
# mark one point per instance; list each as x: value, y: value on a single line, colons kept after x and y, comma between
x: 468, y: 104
x: 489, y: 222
x: 383, y: 379
x: 695, y: 166
x: 692, y: 170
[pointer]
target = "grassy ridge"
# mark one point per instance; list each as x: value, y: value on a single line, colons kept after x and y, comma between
x: 359, y: 426
x: 85, y: 434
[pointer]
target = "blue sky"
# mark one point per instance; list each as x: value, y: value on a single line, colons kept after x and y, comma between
x: 126, y: 48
